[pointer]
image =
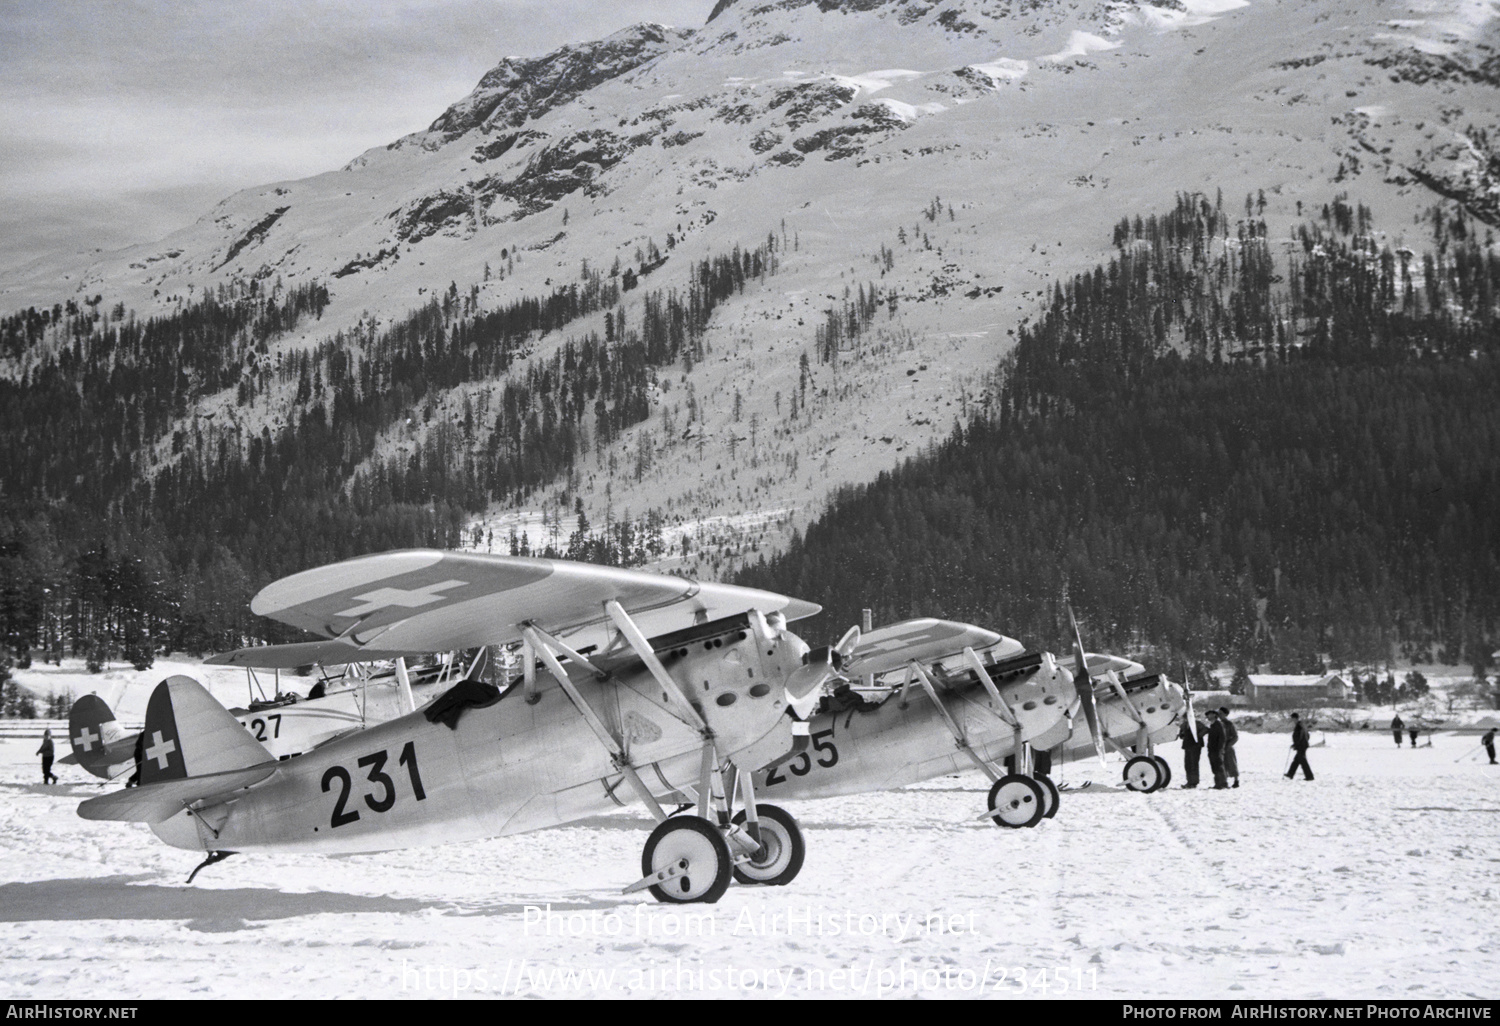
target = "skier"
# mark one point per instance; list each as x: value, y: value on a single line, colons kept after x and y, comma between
x: 1231, y: 736
x: 1414, y: 730
x: 1192, y: 748
x: 1396, y: 726
x: 1216, y: 750
x: 1299, y: 743
x: 1489, y: 744
x: 48, y: 777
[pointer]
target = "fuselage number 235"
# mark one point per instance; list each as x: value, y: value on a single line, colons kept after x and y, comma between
x: 383, y: 797
x: 828, y: 757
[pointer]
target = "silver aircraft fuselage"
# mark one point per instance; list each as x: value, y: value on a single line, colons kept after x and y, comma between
x: 513, y: 766
x: 903, y: 742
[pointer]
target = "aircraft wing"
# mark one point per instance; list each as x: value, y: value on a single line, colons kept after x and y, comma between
x: 1099, y: 665
x: 332, y: 652
x: 926, y: 640
x: 425, y: 600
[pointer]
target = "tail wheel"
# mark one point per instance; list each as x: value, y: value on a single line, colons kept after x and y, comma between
x: 1166, y: 772
x: 693, y: 840
x: 1049, y: 794
x: 1017, y: 801
x: 1143, y: 773
x: 782, y: 848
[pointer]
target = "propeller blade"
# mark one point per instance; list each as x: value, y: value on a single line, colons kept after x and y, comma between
x: 804, y: 686
x: 1084, y: 685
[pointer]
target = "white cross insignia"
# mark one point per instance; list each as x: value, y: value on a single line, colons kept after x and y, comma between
x: 160, y: 749
x: 86, y: 739
x: 383, y: 598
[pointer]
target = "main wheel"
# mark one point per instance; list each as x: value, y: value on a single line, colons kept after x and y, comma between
x: 700, y: 844
x: 1143, y: 773
x: 1049, y: 794
x: 1017, y: 801
x: 1166, y: 772
x: 782, y: 848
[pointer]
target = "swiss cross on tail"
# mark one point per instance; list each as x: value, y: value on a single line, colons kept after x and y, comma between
x: 159, y: 745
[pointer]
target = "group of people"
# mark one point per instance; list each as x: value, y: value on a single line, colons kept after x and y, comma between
x: 1397, y: 726
x: 1219, y: 735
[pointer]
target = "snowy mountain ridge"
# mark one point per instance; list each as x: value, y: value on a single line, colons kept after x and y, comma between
x: 958, y: 156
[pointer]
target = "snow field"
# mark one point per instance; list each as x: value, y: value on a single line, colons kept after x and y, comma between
x: 1376, y: 880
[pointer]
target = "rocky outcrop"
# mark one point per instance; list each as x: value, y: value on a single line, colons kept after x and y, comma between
x: 519, y: 88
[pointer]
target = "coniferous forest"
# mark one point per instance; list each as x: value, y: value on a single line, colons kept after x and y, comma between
x: 1216, y: 447
x: 131, y: 525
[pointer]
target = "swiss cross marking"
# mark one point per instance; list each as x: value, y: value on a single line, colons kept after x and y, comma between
x: 86, y: 739
x: 415, y: 598
x: 160, y: 749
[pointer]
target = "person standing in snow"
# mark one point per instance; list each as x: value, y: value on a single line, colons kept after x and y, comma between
x: 1231, y: 736
x: 1299, y: 744
x: 1191, y: 736
x: 1414, y: 730
x: 140, y: 757
x: 1396, y: 726
x: 1489, y: 744
x: 48, y: 777
x: 1216, y: 750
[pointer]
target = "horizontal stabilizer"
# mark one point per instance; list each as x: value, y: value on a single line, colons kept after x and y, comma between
x: 154, y: 803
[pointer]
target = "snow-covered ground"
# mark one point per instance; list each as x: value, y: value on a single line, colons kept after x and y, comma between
x: 1377, y: 880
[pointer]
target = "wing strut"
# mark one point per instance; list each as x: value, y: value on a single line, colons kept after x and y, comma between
x: 642, y: 648
x: 1143, y: 741
x: 958, y: 735
x: 616, y: 749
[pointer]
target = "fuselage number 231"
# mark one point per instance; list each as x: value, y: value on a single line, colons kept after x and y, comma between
x: 384, y: 796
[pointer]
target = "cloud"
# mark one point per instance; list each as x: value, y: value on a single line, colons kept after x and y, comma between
x: 106, y: 108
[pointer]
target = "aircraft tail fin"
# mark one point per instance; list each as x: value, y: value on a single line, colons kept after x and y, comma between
x: 189, y: 734
x: 192, y: 751
x: 93, y: 733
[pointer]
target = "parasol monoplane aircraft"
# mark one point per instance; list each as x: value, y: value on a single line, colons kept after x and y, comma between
x: 610, y: 714
x: 951, y: 695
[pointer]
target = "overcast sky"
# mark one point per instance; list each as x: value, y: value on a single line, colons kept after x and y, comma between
x: 121, y: 120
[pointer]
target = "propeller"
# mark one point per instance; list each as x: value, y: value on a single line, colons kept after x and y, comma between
x: 804, y: 686
x: 1084, y: 684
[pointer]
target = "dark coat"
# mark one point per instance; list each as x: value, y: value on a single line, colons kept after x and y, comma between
x: 1299, y: 736
x: 1216, y: 738
x: 1188, y: 740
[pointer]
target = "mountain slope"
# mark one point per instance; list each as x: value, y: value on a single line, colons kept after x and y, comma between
x: 953, y: 158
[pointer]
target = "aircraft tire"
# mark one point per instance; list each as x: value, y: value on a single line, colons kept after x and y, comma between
x: 1016, y: 801
x: 1050, y: 794
x: 1166, y: 772
x: 1143, y: 773
x: 695, y: 839
x: 785, y: 849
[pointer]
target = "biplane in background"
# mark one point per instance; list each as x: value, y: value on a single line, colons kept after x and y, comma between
x: 938, y: 697
x: 1135, y: 711
x: 649, y: 689
x: 286, y: 724
x: 1122, y: 701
